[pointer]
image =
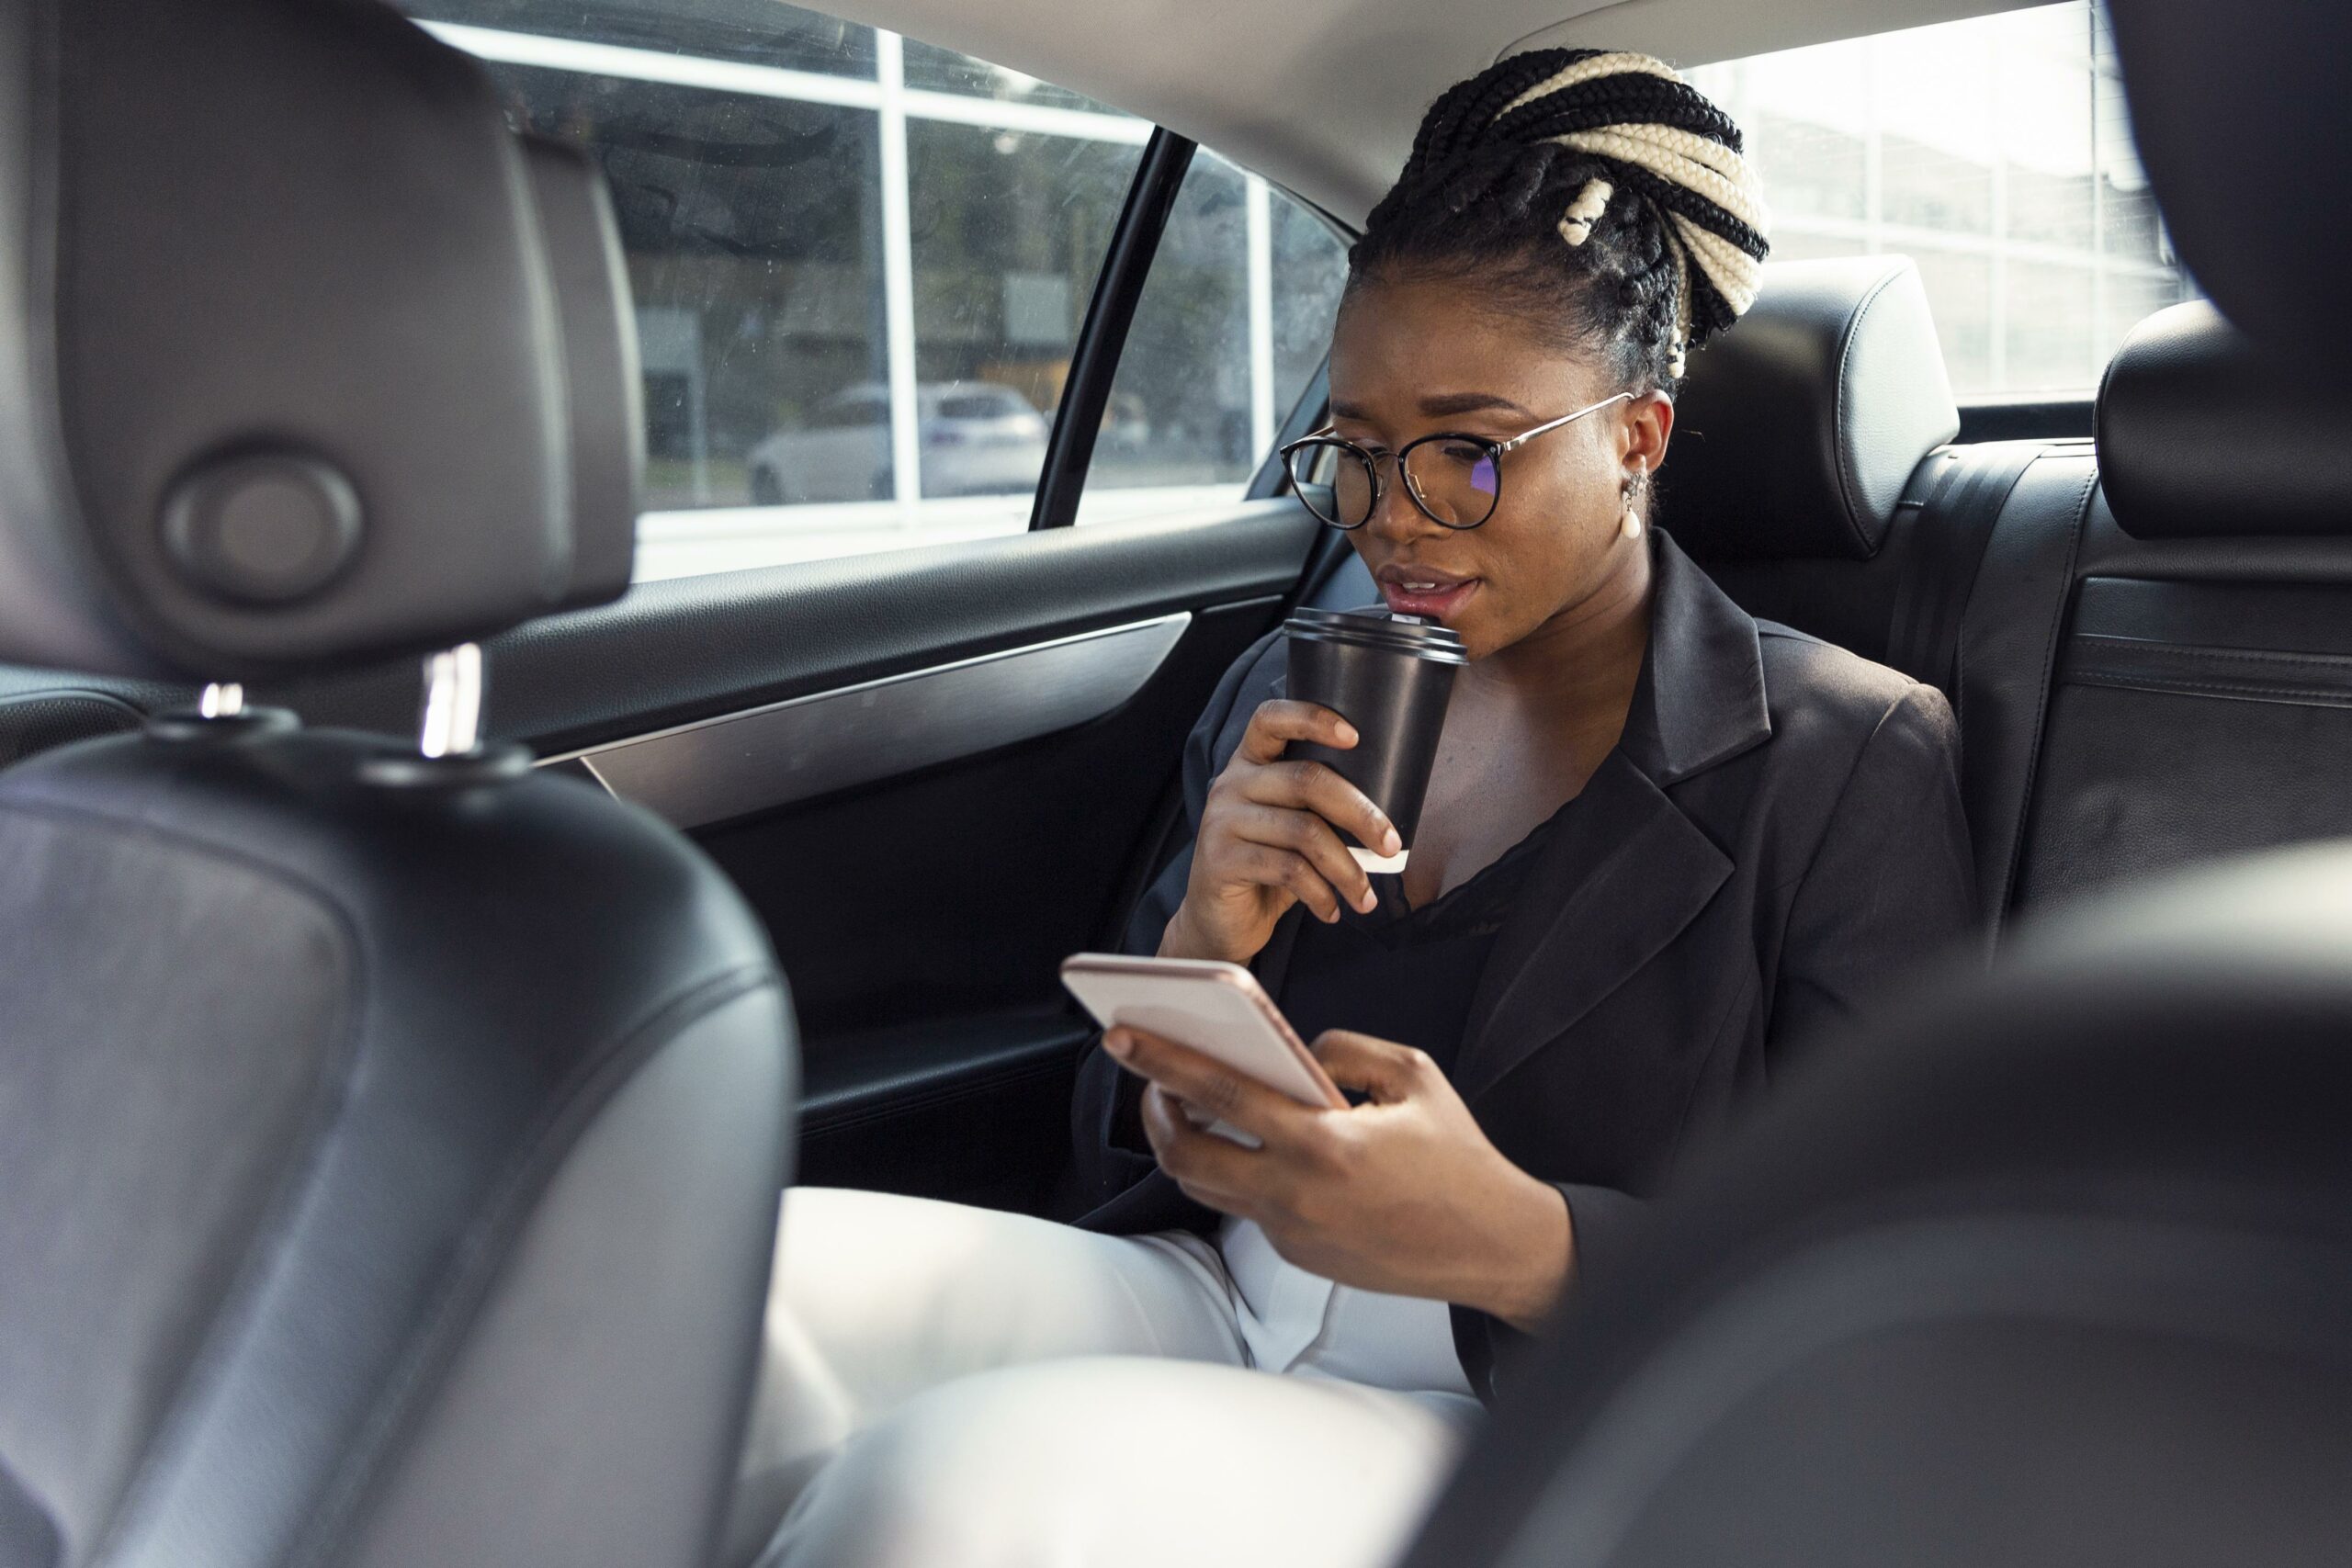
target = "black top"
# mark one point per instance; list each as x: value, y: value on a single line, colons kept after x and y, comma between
x: 1400, y: 973
x: 1776, y: 843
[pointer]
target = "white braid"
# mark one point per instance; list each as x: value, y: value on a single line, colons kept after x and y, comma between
x: 1576, y: 224
x: 1677, y: 363
x: 1699, y: 149
x: 1586, y: 70
x: 1735, y: 275
x: 1663, y: 156
x: 1683, y: 158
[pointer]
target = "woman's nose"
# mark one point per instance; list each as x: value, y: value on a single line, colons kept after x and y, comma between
x: 1393, y: 516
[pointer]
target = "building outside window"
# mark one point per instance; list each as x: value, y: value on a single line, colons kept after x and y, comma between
x: 861, y: 264
x: 1997, y: 153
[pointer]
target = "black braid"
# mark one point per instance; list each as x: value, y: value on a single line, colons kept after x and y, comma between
x: 1483, y: 195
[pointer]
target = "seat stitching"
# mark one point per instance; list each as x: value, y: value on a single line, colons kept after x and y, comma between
x: 2044, y: 689
x: 2157, y: 651
x: 2333, y: 696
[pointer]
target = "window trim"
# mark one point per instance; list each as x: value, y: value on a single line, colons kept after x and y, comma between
x: 1102, y: 336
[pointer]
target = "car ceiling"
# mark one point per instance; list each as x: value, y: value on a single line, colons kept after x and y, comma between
x: 1322, y: 95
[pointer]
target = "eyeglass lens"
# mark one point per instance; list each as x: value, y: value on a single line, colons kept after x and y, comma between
x: 1453, y: 481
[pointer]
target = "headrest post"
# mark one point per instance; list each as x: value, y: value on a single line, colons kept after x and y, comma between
x: 453, y: 688
x: 221, y: 699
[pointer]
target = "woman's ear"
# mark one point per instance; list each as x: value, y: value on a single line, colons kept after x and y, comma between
x: 1644, y: 430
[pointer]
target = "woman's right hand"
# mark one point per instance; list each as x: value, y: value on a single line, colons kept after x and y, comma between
x: 1267, y: 840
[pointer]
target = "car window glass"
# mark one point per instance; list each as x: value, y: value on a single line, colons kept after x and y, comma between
x: 932, y: 69
x: 1234, y: 319
x: 1995, y: 152
x: 860, y: 264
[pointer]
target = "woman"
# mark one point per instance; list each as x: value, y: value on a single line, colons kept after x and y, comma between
x: 1662, y: 844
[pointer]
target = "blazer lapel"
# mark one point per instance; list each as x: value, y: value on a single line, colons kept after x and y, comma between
x: 1633, y: 872
x: 1624, y: 871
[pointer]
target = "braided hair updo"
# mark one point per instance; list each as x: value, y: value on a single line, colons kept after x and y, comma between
x: 1593, y: 189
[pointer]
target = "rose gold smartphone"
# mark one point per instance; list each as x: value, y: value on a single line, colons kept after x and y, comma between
x: 1218, y: 1010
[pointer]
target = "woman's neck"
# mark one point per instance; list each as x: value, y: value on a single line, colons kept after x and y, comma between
x: 1580, y: 667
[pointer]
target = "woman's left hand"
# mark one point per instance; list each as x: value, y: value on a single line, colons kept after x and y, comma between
x: 1402, y: 1193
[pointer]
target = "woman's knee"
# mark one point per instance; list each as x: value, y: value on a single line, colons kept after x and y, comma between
x: 906, y: 1292
x: 1075, y: 1460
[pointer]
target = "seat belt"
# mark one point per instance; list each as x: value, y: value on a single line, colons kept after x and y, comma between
x: 1924, y: 642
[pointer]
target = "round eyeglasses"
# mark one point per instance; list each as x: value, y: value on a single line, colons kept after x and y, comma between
x: 1455, y: 480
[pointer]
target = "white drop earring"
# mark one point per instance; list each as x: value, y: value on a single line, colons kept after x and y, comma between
x: 1630, y: 524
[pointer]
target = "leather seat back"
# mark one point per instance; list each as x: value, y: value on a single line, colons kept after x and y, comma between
x: 2201, y: 698
x: 390, y: 1144
x: 2055, y: 1268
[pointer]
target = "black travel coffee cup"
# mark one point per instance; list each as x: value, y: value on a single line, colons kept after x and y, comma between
x: 1391, y: 678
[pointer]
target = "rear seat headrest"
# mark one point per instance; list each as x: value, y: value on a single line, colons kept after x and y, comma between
x: 2202, y: 431
x: 287, y: 377
x: 1797, y: 430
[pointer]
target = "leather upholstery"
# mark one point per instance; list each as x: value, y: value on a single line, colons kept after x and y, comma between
x: 181, y: 492
x: 2200, y: 704
x: 2008, y: 638
x: 2055, y: 1268
x: 1796, y: 432
x: 2201, y: 433
x: 409, y: 1175
x: 390, y: 1148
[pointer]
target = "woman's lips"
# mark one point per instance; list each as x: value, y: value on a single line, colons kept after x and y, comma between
x: 1433, y: 602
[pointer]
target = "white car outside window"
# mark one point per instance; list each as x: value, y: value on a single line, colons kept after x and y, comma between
x: 977, y: 439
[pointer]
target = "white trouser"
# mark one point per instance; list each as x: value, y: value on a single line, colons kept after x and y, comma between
x: 953, y: 1387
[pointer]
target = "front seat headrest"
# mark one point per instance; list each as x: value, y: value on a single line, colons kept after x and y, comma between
x: 2238, y: 112
x: 2202, y: 433
x: 287, y: 376
x: 1798, y: 429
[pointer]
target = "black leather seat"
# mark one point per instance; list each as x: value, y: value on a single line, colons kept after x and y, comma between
x: 2144, y: 638
x: 2055, y: 1269
x: 1811, y: 473
x: 389, y: 1139
x: 2201, y: 700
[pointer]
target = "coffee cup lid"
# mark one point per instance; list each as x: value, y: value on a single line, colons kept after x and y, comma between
x: 1378, y: 629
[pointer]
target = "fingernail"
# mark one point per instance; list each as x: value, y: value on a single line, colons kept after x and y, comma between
x: 1346, y: 733
x: 1115, y: 1043
x: 1369, y: 902
x: 1390, y: 843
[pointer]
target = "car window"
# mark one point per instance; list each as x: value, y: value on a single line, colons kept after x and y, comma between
x: 860, y: 264
x: 1994, y: 152
x: 1234, y: 319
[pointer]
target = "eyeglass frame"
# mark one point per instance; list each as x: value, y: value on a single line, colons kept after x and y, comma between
x: 1496, y: 452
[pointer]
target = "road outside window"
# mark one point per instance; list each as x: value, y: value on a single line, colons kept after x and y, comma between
x: 860, y: 265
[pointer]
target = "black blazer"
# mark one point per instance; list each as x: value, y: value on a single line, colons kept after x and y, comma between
x: 1777, y: 838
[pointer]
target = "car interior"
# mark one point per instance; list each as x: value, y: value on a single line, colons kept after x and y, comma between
x: 431, y: 937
